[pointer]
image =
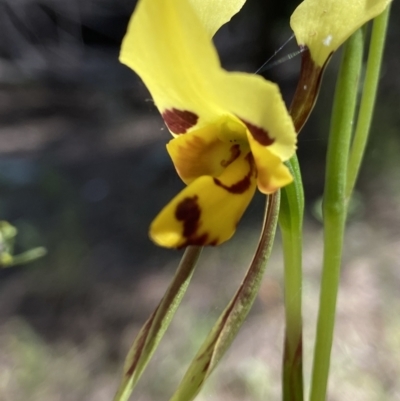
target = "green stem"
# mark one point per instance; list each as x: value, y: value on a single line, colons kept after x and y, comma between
x: 153, y: 330
x: 291, y: 225
x: 224, y: 331
x: 334, y: 208
x: 368, y: 99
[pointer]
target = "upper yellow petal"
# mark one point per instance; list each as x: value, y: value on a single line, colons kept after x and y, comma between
x: 207, y: 211
x: 323, y: 25
x: 169, y: 48
x: 215, y: 13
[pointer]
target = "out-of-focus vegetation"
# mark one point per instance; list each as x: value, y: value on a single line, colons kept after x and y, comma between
x: 8, y: 235
x: 83, y: 170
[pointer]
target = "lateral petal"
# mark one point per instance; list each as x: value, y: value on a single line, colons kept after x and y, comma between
x: 272, y: 173
x: 259, y: 105
x: 208, y: 210
x: 323, y: 25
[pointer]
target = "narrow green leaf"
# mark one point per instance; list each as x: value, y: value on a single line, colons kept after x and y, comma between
x: 335, y: 208
x: 230, y: 321
x: 291, y: 226
x: 153, y: 330
x: 368, y: 98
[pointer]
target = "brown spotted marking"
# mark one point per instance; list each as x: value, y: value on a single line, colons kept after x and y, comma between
x: 189, y: 212
x: 235, y: 153
x: 179, y: 121
x: 140, y: 343
x: 244, y: 184
x: 200, y: 240
x: 259, y: 134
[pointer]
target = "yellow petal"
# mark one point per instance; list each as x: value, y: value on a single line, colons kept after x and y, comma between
x: 272, y: 173
x: 259, y: 105
x: 169, y: 48
x: 201, y: 152
x: 208, y: 210
x: 167, y: 45
x: 215, y: 13
x: 323, y: 25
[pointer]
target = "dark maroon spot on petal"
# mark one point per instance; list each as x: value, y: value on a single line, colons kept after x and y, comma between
x: 235, y: 153
x: 200, y: 240
x: 259, y: 134
x: 188, y: 211
x: 244, y: 184
x: 179, y: 121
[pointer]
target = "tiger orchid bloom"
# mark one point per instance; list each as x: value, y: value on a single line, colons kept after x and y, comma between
x: 324, y: 25
x: 232, y: 131
x: 320, y: 28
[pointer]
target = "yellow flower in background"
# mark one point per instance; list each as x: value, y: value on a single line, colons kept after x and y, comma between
x: 231, y: 131
x: 323, y: 25
x: 320, y: 28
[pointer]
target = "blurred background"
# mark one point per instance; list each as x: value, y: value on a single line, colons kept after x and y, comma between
x: 84, y: 170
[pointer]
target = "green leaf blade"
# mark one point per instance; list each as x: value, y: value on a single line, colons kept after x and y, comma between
x: 151, y: 333
x: 232, y: 318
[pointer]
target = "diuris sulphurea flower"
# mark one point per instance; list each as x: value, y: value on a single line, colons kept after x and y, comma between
x: 324, y: 25
x: 232, y: 131
x: 321, y: 27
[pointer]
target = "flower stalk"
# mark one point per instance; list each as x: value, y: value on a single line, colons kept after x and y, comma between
x: 335, y: 208
x: 153, y: 330
x: 224, y: 331
x: 368, y: 97
x: 291, y: 226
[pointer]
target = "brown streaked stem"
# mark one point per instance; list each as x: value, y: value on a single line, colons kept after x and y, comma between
x: 307, y: 90
x: 224, y: 331
x: 290, y: 222
x: 291, y: 227
x: 153, y: 330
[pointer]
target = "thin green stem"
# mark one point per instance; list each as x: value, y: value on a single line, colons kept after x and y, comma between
x: 291, y: 225
x: 365, y: 115
x: 334, y: 209
x: 151, y: 333
x: 224, y: 331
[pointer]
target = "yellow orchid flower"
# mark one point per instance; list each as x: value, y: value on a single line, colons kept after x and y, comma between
x: 231, y: 131
x: 324, y: 25
x: 320, y: 28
